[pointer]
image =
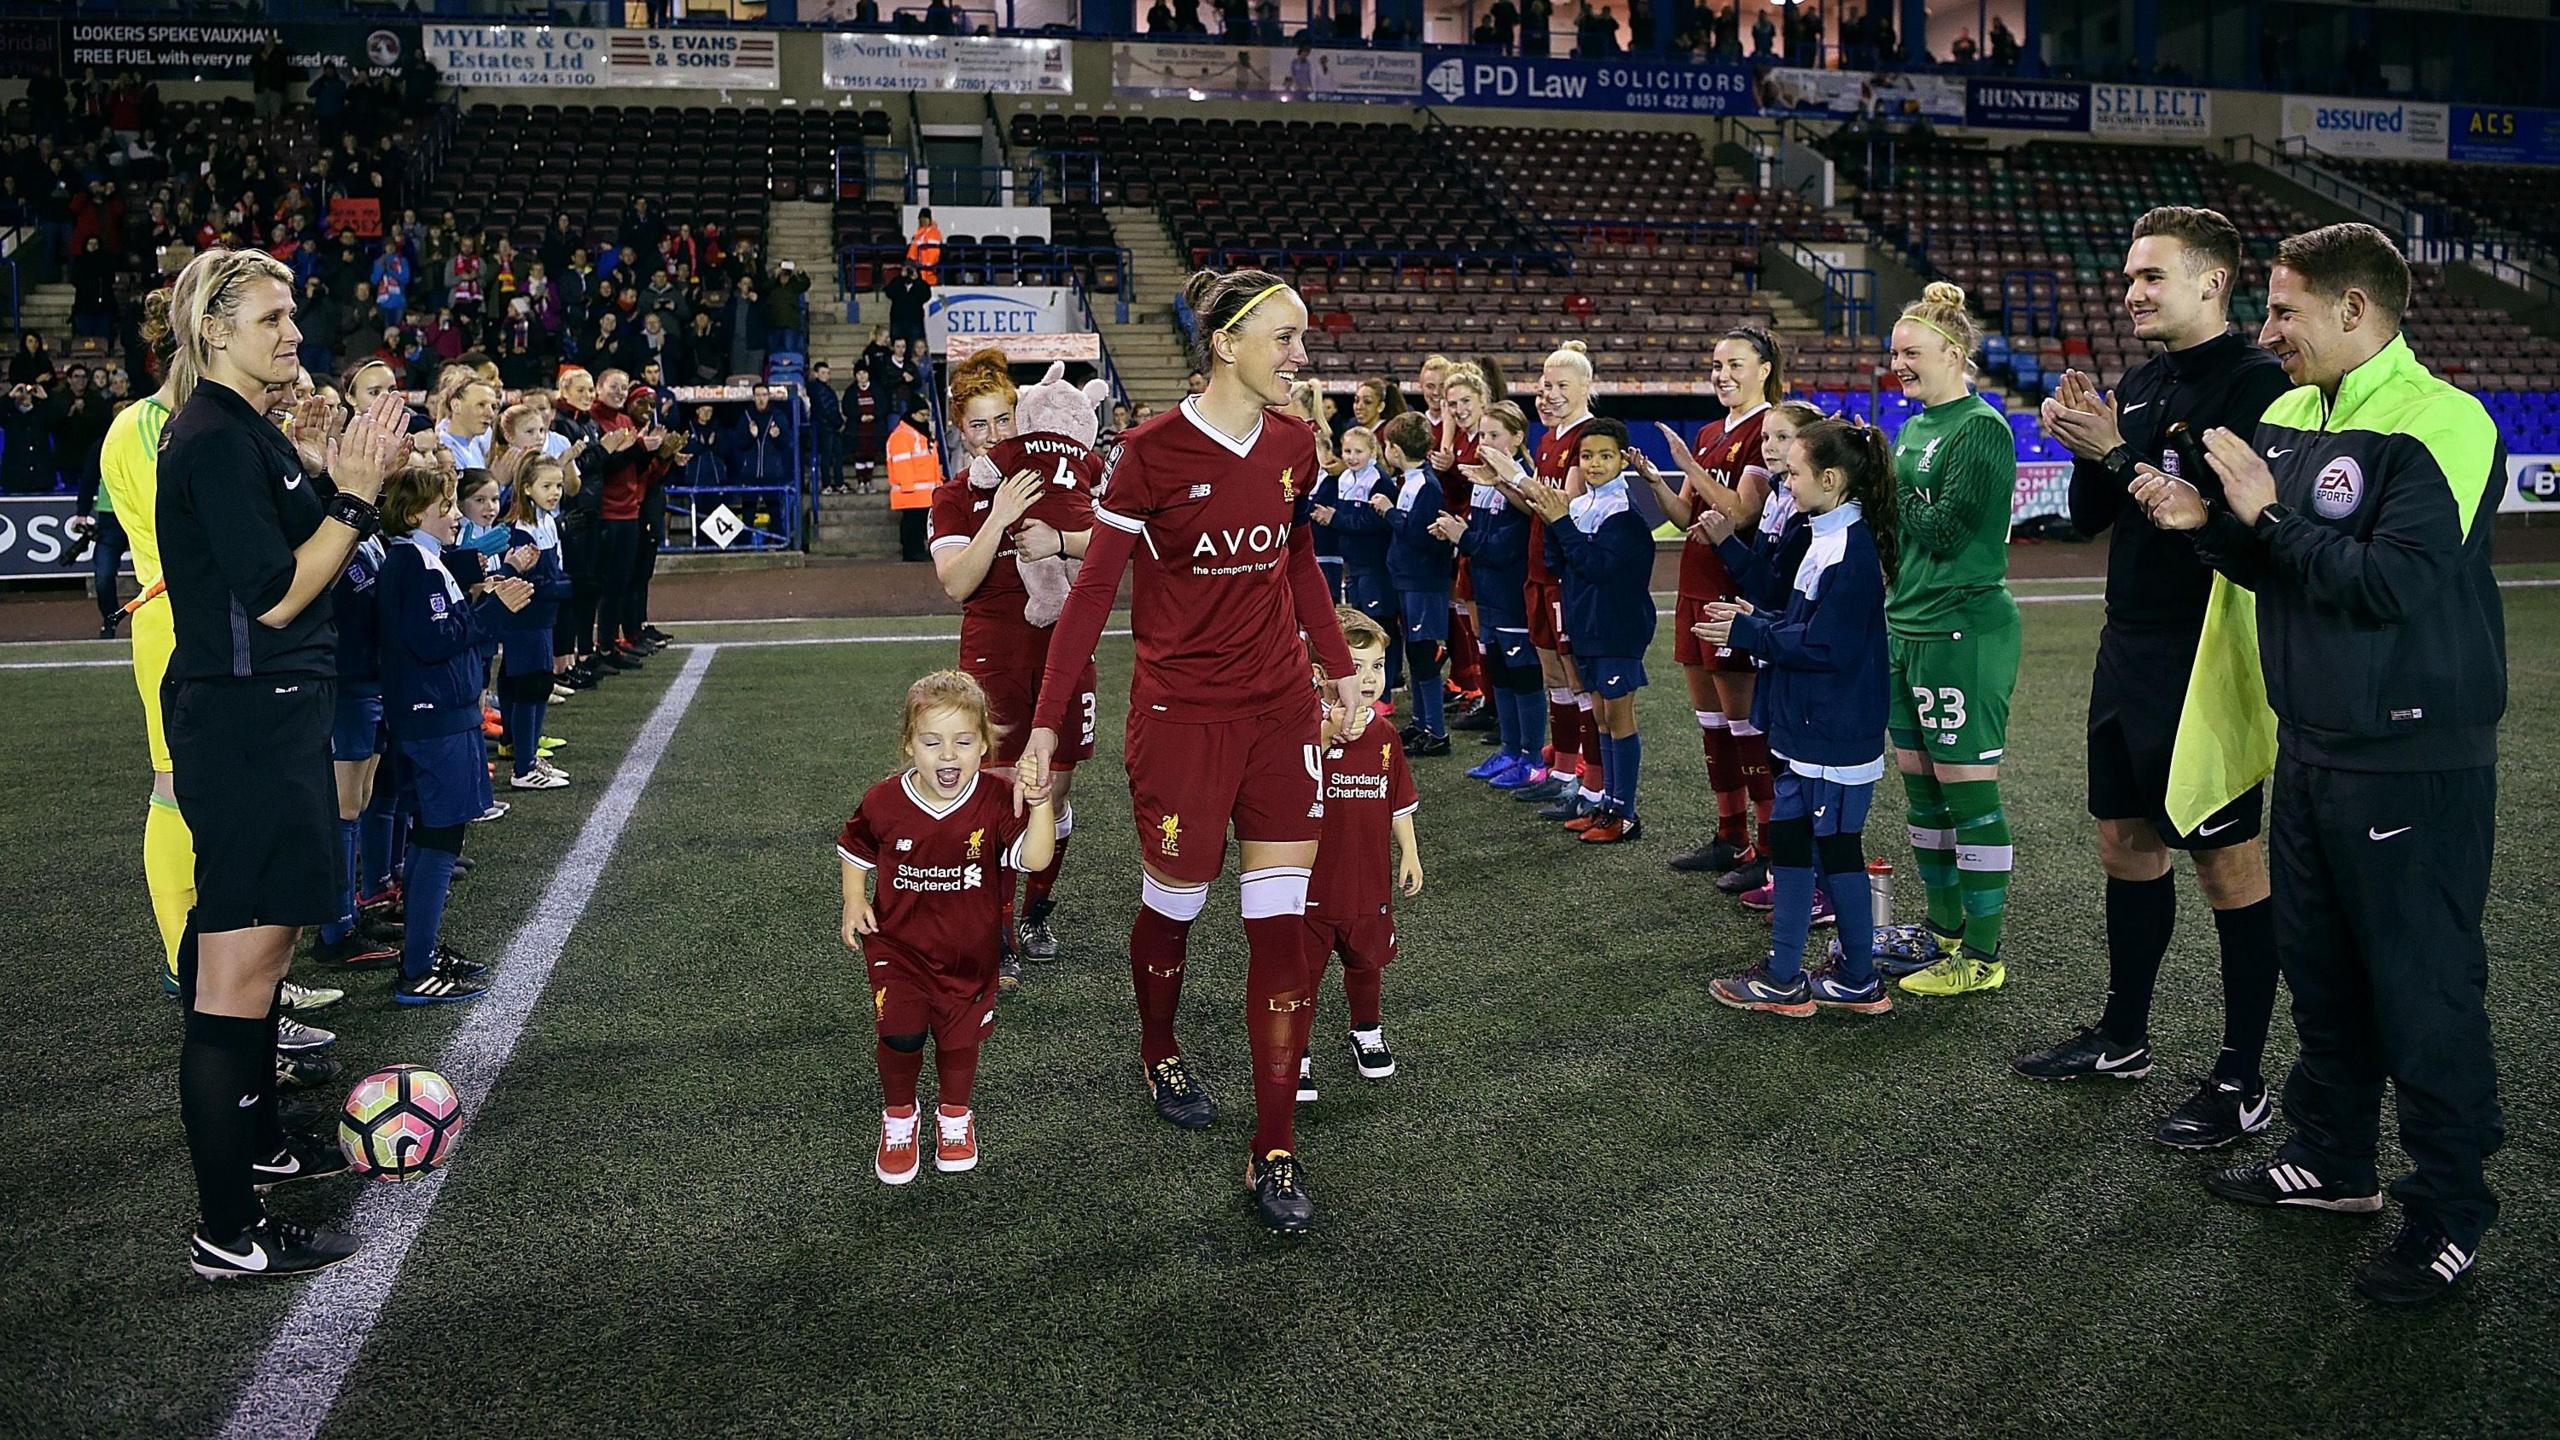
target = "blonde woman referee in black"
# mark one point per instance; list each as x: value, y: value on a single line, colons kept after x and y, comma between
x: 251, y: 536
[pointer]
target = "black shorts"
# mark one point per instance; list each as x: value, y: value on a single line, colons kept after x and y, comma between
x: 2135, y: 695
x: 250, y: 762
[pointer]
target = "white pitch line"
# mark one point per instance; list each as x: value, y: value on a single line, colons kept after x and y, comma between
x: 298, y: 1378
x: 850, y: 640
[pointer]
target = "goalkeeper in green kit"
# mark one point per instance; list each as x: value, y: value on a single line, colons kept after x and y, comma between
x: 1952, y: 630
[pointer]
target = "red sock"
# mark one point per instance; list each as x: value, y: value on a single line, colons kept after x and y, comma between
x: 1275, y: 998
x: 1464, y: 656
x: 1035, y: 890
x: 1317, y: 950
x: 957, y: 1072
x: 1751, y: 754
x: 1564, y: 723
x: 1007, y: 931
x: 1595, y: 777
x: 1363, y: 988
x: 1724, y: 777
x: 1156, y: 945
x: 898, y: 1072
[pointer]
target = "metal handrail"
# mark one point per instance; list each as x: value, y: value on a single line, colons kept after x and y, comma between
x: 1844, y: 297
x: 2296, y: 161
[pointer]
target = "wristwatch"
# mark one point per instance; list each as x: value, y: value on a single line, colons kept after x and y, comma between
x: 2120, y: 461
x: 2275, y: 514
x: 355, y: 512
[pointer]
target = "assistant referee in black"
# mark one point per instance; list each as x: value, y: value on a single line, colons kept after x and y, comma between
x: 250, y: 542
x: 2360, y: 513
x: 2179, y: 272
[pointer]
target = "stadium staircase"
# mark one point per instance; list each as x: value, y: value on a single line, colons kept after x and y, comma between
x: 1149, y: 350
x: 804, y: 231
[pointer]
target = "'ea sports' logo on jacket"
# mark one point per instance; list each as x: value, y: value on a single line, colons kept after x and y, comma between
x: 2339, y: 489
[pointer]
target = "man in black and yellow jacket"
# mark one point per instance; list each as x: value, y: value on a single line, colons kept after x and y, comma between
x: 2359, y: 515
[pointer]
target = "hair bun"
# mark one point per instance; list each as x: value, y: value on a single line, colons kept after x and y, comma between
x: 1576, y: 346
x: 1942, y: 292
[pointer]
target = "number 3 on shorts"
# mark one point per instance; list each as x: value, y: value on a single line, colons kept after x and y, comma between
x: 1089, y: 718
x: 1948, y: 703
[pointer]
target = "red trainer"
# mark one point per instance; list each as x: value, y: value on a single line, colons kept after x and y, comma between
x: 1615, y: 830
x: 955, y: 1146
x: 1584, y: 823
x: 897, y: 1160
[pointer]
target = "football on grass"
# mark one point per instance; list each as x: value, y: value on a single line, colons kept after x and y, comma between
x: 399, y: 1122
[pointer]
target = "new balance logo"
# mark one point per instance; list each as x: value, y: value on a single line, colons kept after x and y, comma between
x: 1199, y: 492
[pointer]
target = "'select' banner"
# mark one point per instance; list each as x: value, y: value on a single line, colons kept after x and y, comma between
x: 2003, y: 104
x: 1459, y: 78
x: 2151, y: 112
x: 544, y: 56
x: 2382, y: 129
x: 1851, y: 94
x: 959, y: 64
x: 217, y: 51
x: 972, y: 316
x: 1265, y: 72
x: 2505, y: 136
x: 37, y: 541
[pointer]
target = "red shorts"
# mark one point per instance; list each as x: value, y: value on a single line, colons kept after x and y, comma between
x: 1545, y: 600
x: 1008, y: 665
x: 1688, y: 649
x: 1463, y: 589
x: 909, y: 997
x: 1366, y: 943
x: 1188, y: 783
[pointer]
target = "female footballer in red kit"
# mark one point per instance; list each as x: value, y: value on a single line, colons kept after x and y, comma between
x: 1209, y: 500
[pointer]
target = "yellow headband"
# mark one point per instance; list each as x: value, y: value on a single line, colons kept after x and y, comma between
x: 1941, y: 329
x: 1238, y: 319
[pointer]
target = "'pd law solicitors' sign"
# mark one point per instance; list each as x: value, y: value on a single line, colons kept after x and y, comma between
x: 1453, y: 78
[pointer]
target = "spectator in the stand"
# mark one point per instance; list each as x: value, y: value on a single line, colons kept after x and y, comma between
x: 642, y: 228
x: 706, y: 349
x: 561, y: 242
x: 1159, y: 18
x: 466, y: 280
x: 1195, y: 383
x: 746, y: 329
x: 1266, y: 23
x: 1965, y: 51
x: 359, y: 325
x: 914, y: 468
x: 938, y: 19
x: 611, y: 347
x: 33, y: 364
x: 759, y: 449
x: 826, y: 428
x: 81, y: 413
x: 924, y: 248
x: 654, y: 346
x: 908, y: 367
x: 1186, y: 18
x: 907, y: 296
x: 865, y: 409
x: 391, y: 279
x: 704, y: 435
x: 26, y: 468
x: 329, y: 95
x: 1537, y: 28
x: 784, y: 306
x: 93, y: 290
x: 1504, y: 17
x: 2004, y: 45
x: 322, y: 321
x: 1764, y: 40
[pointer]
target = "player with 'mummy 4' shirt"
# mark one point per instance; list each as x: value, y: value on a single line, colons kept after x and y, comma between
x: 1209, y: 501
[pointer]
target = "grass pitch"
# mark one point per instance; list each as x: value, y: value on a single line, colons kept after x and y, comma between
x: 1592, y: 1202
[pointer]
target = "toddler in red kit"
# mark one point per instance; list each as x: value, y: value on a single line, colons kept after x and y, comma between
x: 930, y: 857
x: 1368, y: 798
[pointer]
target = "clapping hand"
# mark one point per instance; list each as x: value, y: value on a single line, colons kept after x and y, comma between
x: 2169, y: 502
x: 2082, y: 418
x: 2248, y: 486
x: 1548, y: 501
x: 1448, y: 528
x: 1717, y: 628
x: 358, y: 457
x: 1381, y: 503
x: 315, y: 421
x: 512, y: 592
x: 523, y: 558
x: 1712, y: 527
x: 1321, y: 514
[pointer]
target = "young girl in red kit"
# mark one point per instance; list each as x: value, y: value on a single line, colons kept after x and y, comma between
x: 945, y: 846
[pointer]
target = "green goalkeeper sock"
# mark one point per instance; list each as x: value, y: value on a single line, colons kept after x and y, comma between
x: 1982, y: 860
x: 1933, y: 845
